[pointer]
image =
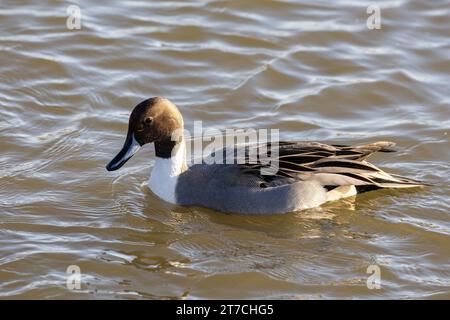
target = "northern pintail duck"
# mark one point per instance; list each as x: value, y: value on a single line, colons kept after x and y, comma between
x: 309, y: 173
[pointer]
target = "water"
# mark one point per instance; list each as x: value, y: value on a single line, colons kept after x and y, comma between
x: 310, y: 68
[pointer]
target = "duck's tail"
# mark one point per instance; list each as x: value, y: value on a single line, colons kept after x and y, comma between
x: 338, y: 172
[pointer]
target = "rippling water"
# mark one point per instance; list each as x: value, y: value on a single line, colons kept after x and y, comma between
x: 310, y: 68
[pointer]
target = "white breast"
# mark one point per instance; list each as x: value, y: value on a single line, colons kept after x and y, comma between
x: 164, y: 176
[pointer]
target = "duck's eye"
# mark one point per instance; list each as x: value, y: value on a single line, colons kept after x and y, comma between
x: 148, y: 121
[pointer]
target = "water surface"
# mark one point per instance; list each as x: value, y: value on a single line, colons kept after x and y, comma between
x: 310, y: 68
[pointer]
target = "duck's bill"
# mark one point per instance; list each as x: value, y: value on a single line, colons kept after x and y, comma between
x: 130, y: 147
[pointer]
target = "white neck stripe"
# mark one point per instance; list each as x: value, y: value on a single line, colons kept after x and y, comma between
x: 164, y: 176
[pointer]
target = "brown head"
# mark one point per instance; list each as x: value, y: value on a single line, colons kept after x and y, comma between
x: 152, y: 120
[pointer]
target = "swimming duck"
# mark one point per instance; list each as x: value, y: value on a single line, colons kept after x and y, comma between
x: 309, y: 173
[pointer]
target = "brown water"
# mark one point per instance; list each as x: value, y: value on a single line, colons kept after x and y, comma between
x: 310, y: 68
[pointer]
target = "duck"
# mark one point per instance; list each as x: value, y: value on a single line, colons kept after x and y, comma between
x: 308, y: 174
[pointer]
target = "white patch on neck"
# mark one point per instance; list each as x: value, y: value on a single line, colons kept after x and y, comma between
x: 164, y: 176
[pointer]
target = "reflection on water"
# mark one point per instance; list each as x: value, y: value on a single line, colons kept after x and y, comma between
x: 310, y: 68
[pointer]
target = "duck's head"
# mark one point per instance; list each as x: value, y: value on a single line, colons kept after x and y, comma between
x: 153, y: 120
